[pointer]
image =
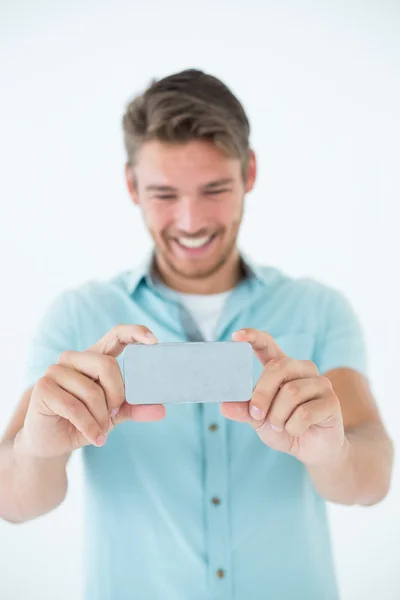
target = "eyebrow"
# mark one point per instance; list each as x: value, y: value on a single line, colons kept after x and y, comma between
x: 209, y: 186
x: 160, y: 188
x: 218, y: 183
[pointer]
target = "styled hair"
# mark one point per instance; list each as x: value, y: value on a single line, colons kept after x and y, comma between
x: 185, y: 106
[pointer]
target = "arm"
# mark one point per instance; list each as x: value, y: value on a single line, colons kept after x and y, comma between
x: 29, y: 487
x: 362, y: 473
x: 76, y: 403
x: 329, y: 422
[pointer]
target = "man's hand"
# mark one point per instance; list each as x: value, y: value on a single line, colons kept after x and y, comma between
x: 82, y: 397
x: 293, y: 408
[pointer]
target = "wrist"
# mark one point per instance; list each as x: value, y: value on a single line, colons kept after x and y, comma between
x: 24, y: 455
x: 337, y: 460
x: 37, y: 484
x: 21, y: 450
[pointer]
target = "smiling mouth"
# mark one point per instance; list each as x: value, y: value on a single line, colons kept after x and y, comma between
x: 195, y: 246
x: 195, y: 243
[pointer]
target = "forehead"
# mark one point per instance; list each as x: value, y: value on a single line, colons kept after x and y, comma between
x: 196, y: 162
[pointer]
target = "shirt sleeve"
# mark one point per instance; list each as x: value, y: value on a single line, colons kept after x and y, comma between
x: 55, y: 333
x: 340, y: 339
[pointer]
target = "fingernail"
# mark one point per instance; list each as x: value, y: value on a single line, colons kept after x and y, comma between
x: 256, y: 412
x: 150, y: 335
x: 101, y: 439
x: 114, y: 412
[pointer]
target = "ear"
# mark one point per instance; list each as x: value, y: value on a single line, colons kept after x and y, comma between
x: 130, y: 182
x: 251, y: 171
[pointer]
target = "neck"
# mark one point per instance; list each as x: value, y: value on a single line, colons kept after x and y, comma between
x: 222, y: 280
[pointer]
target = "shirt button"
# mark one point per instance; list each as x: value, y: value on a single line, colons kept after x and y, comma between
x: 213, y: 427
x: 216, y: 501
x: 220, y: 573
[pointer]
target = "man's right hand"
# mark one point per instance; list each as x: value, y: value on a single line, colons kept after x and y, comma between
x: 82, y: 397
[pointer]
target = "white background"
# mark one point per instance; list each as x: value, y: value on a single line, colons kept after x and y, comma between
x: 321, y: 84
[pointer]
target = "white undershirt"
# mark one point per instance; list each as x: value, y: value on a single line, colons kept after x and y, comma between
x: 205, y: 309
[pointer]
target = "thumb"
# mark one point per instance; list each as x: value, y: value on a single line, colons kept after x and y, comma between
x: 264, y: 346
x: 142, y: 413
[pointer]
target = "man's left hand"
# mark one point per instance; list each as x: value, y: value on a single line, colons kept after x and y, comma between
x: 293, y: 408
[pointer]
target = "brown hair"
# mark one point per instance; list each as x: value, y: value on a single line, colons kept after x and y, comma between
x: 185, y: 106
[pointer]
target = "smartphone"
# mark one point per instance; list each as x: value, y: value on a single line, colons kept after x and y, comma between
x: 188, y: 372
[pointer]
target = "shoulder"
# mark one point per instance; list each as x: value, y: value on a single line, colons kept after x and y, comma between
x: 95, y: 290
x: 90, y: 300
x: 307, y: 302
x: 303, y: 289
x: 85, y: 312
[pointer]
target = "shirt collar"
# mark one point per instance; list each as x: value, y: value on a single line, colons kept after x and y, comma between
x: 145, y: 272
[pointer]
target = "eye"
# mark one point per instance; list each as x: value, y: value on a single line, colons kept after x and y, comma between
x: 166, y: 197
x: 216, y: 192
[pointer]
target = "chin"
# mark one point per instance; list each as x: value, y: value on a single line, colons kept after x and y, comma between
x: 196, y: 269
x: 198, y: 272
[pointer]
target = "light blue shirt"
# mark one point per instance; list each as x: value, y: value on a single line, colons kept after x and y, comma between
x: 196, y: 507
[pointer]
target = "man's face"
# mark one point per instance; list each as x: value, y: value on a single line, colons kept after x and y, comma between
x: 191, y: 196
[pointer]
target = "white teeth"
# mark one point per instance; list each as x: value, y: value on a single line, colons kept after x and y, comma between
x: 194, y: 243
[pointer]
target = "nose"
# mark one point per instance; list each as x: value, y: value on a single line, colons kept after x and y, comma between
x: 190, y: 217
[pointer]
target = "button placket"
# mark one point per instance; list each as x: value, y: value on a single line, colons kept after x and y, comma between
x: 217, y: 519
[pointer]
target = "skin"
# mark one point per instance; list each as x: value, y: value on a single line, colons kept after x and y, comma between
x: 329, y: 422
x: 177, y: 190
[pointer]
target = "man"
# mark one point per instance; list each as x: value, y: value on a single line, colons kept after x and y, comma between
x: 209, y: 502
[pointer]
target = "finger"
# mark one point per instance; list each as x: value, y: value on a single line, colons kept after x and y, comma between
x: 85, y: 389
x: 264, y: 346
x: 67, y: 406
x: 275, y: 374
x: 143, y: 413
x: 322, y: 412
x: 236, y: 411
x: 292, y: 394
x: 103, y: 370
x: 116, y: 340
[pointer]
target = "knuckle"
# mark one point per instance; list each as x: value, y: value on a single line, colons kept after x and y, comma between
x: 123, y: 327
x: 73, y: 406
x: 52, y: 371
x: 326, y: 384
x: 94, y: 394
x: 112, y: 361
x: 310, y: 365
x: 266, y: 336
x: 109, y: 364
x: 304, y: 413
x: 277, y: 364
x: 44, y: 384
x: 64, y: 357
x: 292, y: 388
x: 294, y: 391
